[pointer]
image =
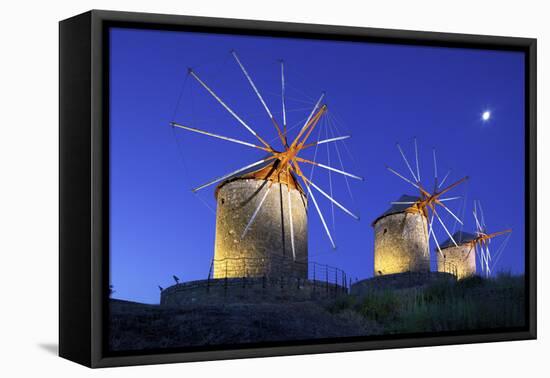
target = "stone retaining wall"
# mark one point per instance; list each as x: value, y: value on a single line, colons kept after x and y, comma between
x: 249, y: 290
x: 398, y: 281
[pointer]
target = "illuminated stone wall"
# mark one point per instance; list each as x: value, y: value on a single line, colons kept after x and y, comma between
x: 460, y: 261
x: 401, y: 244
x: 266, y: 248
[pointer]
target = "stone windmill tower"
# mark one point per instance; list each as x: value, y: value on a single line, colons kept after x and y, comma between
x: 262, y: 208
x: 401, y: 240
x: 458, y: 260
x: 265, y: 247
x: 462, y: 258
x: 403, y: 232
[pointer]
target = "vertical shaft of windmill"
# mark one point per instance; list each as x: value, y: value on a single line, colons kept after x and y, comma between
x: 482, y: 258
x: 330, y: 178
x: 475, y: 217
x: 486, y: 264
x: 315, y: 156
x: 435, y: 171
x: 478, y: 225
x: 417, y: 162
x: 479, y: 251
x: 283, y: 97
x: 310, y: 116
x: 320, y: 215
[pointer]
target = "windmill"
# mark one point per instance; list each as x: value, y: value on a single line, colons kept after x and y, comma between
x: 458, y: 260
x: 482, y: 240
x: 281, y: 168
x: 461, y: 256
x: 403, y: 233
x: 428, y: 202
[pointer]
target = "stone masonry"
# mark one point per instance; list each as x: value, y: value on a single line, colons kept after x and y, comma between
x: 268, y: 242
x: 401, y: 244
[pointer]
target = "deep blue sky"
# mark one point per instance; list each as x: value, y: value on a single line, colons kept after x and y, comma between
x: 381, y: 94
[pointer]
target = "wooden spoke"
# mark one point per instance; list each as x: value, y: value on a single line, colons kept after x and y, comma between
x: 444, y: 179
x: 240, y: 170
x: 449, y: 211
x: 251, y: 82
x: 283, y: 100
x: 435, y: 170
x: 402, y: 177
x: 432, y: 233
x: 444, y: 227
x: 229, y: 110
x: 490, y: 236
x: 331, y: 199
x: 479, y: 228
x: 449, y: 199
x: 326, y: 141
x: 302, y: 176
x: 308, y: 120
x: 329, y: 168
x: 321, y: 216
x: 314, y: 121
x: 454, y: 185
x: 199, y: 131
x: 417, y: 162
x: 407, y: 162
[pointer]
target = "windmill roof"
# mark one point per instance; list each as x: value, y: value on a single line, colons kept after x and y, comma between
x: 460, y: 237
x: 262, y: 171
x: 398, y: 208
x: 265, y: 164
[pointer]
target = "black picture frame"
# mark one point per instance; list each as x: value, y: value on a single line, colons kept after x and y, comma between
x: 84, y: 183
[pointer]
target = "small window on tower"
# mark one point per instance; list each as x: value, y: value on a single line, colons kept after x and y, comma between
x: 223, y: 201
x: 385, y: 230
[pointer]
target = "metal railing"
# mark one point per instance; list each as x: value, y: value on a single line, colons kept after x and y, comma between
x: 280, y: 269
x: 415, y: 267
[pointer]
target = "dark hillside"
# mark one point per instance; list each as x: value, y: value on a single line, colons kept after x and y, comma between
x: 469, y: 304
x: 142, y: 327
